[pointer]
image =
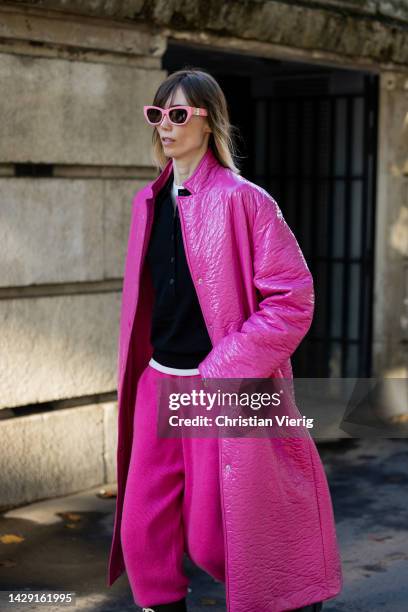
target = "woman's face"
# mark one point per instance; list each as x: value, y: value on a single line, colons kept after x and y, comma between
x: 186, y: 139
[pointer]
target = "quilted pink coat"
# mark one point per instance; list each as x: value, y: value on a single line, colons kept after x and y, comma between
x: 257, y: 298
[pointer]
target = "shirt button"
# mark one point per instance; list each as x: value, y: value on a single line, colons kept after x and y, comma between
x: 171, y: 281
x: 172, y: 259
x: 200, y: 280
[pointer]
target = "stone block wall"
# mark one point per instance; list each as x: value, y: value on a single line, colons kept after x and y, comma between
x: 73, y: 151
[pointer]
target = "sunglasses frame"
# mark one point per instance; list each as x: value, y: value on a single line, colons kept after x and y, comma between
x: 191, y: 110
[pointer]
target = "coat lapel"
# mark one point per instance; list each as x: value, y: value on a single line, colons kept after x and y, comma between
x: 141, y: 225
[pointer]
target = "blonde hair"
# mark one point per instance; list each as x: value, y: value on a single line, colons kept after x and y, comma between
x: 201, y: 90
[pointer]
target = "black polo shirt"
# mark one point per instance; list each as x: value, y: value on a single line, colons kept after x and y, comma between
x: 178, y: 335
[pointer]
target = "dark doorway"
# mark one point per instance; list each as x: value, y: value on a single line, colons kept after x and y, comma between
x: 308, y: 135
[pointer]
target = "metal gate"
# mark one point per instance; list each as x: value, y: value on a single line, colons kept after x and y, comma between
x: 316, y: 155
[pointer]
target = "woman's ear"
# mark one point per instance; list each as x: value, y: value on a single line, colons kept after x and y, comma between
x: 207, y: 127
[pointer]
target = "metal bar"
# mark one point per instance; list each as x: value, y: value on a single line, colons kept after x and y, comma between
x: 346, y: 244
x: 368, y: 228
x: 313, y: 190
x: 329, y: 243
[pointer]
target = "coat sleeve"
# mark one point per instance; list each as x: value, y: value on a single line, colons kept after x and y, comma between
x: 285, y: 308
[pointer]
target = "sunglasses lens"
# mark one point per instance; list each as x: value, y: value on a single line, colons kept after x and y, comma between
x: 178, y: 115
x: 154, y: 115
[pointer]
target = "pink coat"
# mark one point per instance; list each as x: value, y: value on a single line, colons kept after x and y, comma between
x: 257, y: 298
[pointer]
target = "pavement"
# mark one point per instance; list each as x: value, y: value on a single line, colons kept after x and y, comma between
x: 63, y: 544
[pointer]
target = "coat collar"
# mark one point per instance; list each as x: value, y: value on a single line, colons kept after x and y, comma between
x: 196, y: 182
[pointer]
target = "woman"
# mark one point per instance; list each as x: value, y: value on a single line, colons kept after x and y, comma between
x: 215, y: 286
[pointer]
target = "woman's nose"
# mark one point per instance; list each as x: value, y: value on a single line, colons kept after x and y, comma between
x: 165, y: 122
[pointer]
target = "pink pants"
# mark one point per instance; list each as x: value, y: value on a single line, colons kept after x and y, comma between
x: 171, y: 505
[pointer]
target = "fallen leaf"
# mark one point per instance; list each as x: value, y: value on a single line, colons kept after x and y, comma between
x: 399, y: 418
x: 106, y: 493
x: 10, y: 538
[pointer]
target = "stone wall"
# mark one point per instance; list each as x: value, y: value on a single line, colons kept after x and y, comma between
x: 76, y: 75
x: 391, y: 261
x: 63, y: 236
x: 373, y: 30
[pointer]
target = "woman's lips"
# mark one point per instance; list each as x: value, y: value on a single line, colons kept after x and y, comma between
x: 167, y: 140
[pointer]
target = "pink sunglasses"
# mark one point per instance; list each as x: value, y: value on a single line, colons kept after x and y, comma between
x: 178, y: 115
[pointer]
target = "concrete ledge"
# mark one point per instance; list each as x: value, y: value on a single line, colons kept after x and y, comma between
x: 57, y: 453
x: 373, y: 29
x: 80, y: 33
